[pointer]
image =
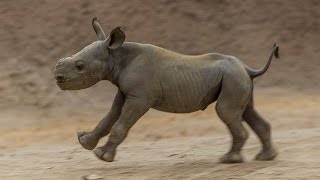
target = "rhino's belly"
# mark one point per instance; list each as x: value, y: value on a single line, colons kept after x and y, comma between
x: 186, y: 102
x: 187, y: 93
x: 180, y: 107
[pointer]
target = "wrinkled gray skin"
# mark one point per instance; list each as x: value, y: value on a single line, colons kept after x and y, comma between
x: 148, y: 76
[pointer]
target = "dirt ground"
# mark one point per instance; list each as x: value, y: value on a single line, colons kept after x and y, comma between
x: 180, y: 158
x: 38, y: 121
x: 169, y: 146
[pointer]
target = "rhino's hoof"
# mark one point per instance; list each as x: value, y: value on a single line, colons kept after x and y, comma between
x: 104, y: 155
x: 86, y: 140
x: 266, y: 155
x: 231, y: 158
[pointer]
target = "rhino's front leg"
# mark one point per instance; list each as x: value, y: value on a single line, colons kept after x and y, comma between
x: 89, y: 140
x: 133, y: 109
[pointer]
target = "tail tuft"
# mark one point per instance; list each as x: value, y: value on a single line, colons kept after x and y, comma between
x: 276, y: 51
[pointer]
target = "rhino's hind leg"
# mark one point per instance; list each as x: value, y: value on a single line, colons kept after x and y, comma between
x: 232, y: 116
x: 231, y: 104
x: 263, y: 131
x: 239, y: 136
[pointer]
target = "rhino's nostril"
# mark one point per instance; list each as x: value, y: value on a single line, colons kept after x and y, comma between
x: 60, y: 77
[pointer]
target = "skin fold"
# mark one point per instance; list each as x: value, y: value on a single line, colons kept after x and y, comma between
x: 148, y: 76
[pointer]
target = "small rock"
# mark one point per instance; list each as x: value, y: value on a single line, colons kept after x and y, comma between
x: 69, y: 157
x: 92, y: 177
x: 171, y: 155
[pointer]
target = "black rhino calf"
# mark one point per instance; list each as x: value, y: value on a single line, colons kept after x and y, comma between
x: 148, y: 76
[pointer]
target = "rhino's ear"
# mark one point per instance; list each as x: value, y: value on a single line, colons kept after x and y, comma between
x: 115, y: 39
x: 98, y: 29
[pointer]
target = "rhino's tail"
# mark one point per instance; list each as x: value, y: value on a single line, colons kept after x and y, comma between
x: 258, y: 72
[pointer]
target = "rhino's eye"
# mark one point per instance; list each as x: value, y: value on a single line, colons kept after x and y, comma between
x: 79, y: 66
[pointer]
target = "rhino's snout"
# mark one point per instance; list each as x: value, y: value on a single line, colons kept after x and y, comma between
x: 58, y: 69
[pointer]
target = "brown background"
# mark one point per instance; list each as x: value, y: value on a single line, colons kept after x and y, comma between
x: 35, y: 34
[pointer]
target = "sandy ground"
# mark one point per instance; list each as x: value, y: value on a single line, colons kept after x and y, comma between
x: 168, y: 146
x: 180, y: 158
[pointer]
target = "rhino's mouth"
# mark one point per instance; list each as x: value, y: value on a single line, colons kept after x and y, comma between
x: 62, y: 84
x: 62, y: 81
x: 75, y: 84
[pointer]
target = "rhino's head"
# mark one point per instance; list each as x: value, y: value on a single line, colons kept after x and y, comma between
x: 90, y: 65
